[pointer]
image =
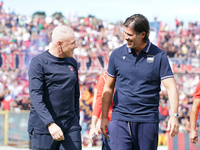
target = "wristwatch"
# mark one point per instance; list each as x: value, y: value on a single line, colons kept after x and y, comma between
x: 175, y: 115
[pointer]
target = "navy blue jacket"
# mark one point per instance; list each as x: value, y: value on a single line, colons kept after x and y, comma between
x: 54, y: 93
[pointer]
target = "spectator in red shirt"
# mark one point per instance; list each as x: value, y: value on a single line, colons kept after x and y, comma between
x: 194, y: 115
x: 95, y: 125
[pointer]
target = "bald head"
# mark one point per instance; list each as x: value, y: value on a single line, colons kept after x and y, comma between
x: 63, y: 42
x: 61, y: 33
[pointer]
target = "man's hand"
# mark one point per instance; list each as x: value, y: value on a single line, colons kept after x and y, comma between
x: 173, y: 126
x: 193, y: 136
x: 104, y: 125
x: 93, y: 132
x: 56, y: 132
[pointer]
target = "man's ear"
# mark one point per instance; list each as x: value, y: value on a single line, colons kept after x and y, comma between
x: 142, y: 35
x: 58, y: 43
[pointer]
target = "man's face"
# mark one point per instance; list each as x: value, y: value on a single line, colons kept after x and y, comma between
x: 132, y: 38
x: 68, y: 46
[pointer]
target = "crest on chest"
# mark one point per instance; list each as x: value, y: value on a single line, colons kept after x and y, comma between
x: 150, y: 58
x: 71, y: 68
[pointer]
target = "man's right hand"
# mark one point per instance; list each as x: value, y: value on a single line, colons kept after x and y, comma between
x: 56, y: 132
x: 104, y: 126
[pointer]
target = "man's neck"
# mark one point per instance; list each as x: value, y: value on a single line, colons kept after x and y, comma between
x: 55, y: 53
x: 140, y: 48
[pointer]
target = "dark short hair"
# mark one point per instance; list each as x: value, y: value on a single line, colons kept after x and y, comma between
x: 138, y: 23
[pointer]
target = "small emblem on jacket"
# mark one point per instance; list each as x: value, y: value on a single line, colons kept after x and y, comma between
x: 124, y: 57
x: 150, y: 58
x: 71, y: 68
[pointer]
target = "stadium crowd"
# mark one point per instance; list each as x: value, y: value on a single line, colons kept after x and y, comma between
x: 95, y: 37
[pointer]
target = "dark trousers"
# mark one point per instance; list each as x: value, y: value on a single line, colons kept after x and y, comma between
x: 105, y: 143
x: 46, y: 142
x: 133, y: 136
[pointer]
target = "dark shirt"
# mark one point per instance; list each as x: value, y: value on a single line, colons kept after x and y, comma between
x: 54, y: 92
x: 138, y: 79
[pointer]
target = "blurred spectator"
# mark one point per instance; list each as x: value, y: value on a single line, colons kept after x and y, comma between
x: 1, y: 5
x: 177, y: 24
x: 24, y: 104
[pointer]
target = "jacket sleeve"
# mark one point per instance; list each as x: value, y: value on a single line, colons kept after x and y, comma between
x: 36, y: 79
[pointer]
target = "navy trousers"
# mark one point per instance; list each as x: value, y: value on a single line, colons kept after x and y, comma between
x: 133, y: 135
x: 105, y: 143
x: 46, y: 142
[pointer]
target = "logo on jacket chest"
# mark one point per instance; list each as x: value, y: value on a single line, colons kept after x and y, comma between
x: 150, y: 58
x: 71, y: 68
